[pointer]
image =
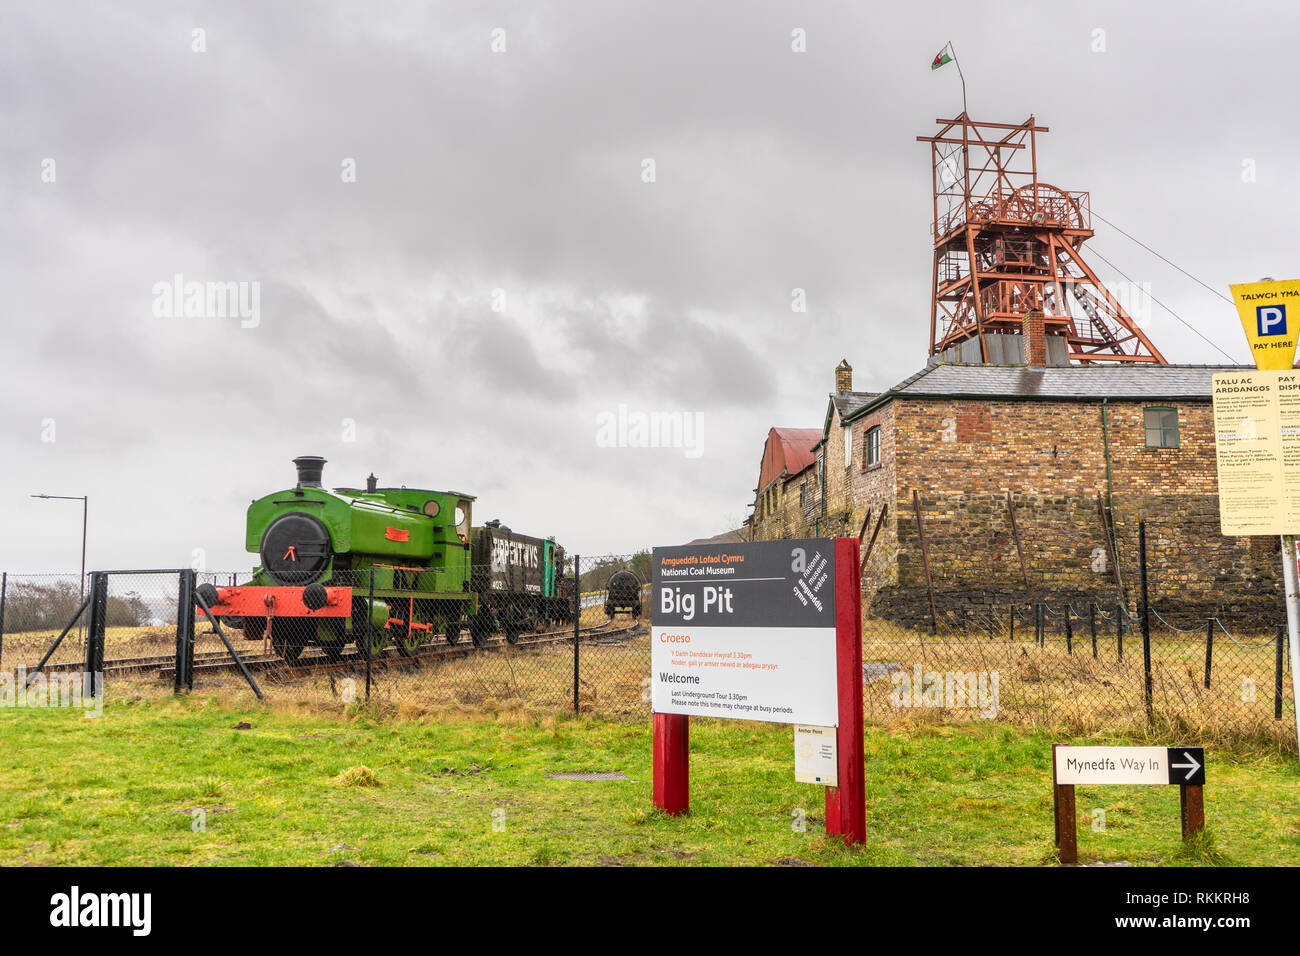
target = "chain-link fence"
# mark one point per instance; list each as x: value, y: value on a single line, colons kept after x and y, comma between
x: 405, y: 640
x: 424, y: 640
x: 45, y: 617
x: 1085, y: 669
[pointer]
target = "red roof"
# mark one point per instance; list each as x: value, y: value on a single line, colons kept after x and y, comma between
x: 788, y: 450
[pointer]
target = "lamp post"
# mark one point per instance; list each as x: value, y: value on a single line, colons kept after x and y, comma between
x: 85, y: 508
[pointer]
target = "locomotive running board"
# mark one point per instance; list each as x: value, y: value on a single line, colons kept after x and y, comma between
x: 249, y: 601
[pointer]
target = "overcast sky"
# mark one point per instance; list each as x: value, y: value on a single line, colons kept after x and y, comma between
x: 500, y: 275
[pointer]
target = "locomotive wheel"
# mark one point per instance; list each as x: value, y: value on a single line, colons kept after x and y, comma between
x: 412, y: 640
x: 513, y: 621
x: 378, y: 640
x: 254, y: 628
x: 453, y: 633
x: 288, y: 649
x: 378, y: 636
x: 480, y: 629
x: 289, y: 637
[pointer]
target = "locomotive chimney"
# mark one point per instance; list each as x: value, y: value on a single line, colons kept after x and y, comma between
x: 372, y: 482
x: 309, y: 470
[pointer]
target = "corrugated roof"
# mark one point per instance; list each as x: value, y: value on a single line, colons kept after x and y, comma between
x: 1068, y: 383
x: 787, y: 450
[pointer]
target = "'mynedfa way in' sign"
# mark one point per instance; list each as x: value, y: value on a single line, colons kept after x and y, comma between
x: 1130, y: 765
x: 745, y: 631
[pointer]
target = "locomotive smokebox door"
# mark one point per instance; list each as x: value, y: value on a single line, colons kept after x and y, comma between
x: 295, y: 548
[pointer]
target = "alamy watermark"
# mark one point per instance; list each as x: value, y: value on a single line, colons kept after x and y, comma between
x: 626, y: 428
x: 74, y: 908
x: 974, y: 690
x: 75, y: 689
x: 179, y: 299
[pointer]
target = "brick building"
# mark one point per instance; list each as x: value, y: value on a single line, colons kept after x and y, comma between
x: 788, y: 469
x: 1030, y: 480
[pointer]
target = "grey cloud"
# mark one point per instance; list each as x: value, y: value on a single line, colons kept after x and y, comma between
x: 522, y: 171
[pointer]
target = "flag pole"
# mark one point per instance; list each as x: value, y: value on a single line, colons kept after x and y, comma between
x: 953, y: 50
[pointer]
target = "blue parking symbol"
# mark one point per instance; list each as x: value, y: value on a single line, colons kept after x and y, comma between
x: 1271, y: 319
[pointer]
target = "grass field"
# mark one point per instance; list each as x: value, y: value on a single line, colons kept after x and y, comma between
x: 314, y: 789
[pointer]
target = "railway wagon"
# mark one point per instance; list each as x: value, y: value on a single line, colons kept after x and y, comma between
x: 623, y: 594
x: 320, y: 550
x: 518, y: 579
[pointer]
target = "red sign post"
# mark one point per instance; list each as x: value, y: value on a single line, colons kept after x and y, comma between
x: 846, y: 805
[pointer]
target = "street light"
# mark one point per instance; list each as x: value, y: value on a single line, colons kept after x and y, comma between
x: 85, y: 507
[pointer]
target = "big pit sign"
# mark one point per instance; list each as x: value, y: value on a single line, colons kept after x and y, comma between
x: 764, y: 630
x: 745, y: 631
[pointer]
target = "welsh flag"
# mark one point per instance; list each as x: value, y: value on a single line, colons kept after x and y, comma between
x: 944, y: 56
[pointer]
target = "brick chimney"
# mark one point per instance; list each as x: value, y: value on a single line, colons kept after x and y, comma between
x: 844, y: 376
x: 1035, y: 339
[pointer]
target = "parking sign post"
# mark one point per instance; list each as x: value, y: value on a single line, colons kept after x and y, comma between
x: 1256, y: 435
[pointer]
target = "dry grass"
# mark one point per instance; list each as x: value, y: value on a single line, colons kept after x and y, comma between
x: 1079, y: 695
x: 1039, y: 687
x: 26, y: 648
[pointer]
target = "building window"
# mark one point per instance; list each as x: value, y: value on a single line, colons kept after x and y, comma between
x: 848, y: 447
x: 872, y: 453
x: 1161, y: 427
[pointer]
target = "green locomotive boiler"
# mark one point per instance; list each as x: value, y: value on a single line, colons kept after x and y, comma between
x: 400, y: 566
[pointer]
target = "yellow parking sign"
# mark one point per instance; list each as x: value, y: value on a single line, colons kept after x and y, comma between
x: 1270, y: 314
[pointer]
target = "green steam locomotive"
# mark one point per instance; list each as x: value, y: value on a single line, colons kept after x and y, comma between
x: 381, y: 566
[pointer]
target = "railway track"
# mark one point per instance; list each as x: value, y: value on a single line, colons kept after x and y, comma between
x: 126, y: 665
x: 218, y: 661
x: 390, y: 658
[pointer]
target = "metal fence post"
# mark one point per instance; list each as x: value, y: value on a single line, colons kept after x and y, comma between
x: 1209, y: 649
x: 1011, y: 623
x: 1069, y: 632
x: 370, y: 623
x: 4, y: 587
x: 1119, y: 631
x: 185, y: 612
x: 1145, y: 615
x: 577, y: 623
x: 1092, y: 626
x: 98, y: 622
x: 1277, y: 674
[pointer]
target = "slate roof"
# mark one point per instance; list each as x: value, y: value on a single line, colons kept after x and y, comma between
x: 1068, y: 383
x: 846, y: 403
